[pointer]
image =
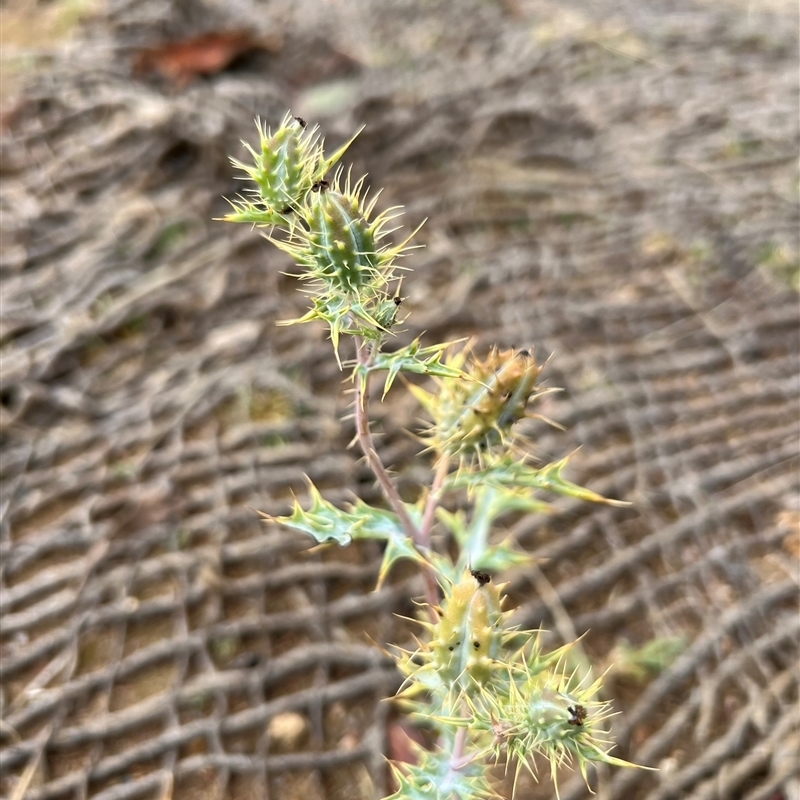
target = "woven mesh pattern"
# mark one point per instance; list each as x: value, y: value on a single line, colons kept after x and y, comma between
x: 604, y: 192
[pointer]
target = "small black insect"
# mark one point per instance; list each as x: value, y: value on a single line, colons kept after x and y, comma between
x: 482, y: 577
x: 577, y: 715
x: 301, y: 122
x: 320, y: 186
x: 398, y: 301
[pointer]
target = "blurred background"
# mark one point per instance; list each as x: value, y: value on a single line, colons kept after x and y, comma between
x: 612, y: 182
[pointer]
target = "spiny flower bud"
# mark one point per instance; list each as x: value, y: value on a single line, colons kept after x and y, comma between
x: 540, y: 711
x: 520, y: 702
x: 341, y: 241
x: 475, y: 416
x: 469, y: 635
x: 466, y: 647
x: 344, y: 266
x: 285, y: 166
x: 284, y: 169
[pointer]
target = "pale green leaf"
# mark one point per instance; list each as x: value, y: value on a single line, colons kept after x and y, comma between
x: 415, y: 359
x: 327, y: 524
x: 476, y: 551
x: 506, y: 471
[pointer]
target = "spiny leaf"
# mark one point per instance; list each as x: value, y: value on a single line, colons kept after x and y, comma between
x: 327, y: 523
x: 472, y: 532
x: 434, y: 778
x: 322, y: 520
x: 506, y: 471
x: 261, y: 216
x: 331, y: 161
x: 416, y: 359
x: 489, y: 503
x: 647, y: 660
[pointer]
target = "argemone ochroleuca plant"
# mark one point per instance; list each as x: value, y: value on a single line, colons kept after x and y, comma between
x: 486, y: 689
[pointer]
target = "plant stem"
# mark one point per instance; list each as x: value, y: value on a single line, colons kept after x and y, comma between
x: 368, y: 446
x: 433, y: 499
x: 457, y: 758
x: 420, y: 537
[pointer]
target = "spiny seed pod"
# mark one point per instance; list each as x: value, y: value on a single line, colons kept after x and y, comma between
x: 474, y: 417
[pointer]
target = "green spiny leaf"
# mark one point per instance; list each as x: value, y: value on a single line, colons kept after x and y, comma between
x: 433, y: 778
x: 489, y: 503
x: 415, y: 359
x: 327, y: 523
x: 506, y: 471
x: 255, y: 214
x: 647, y: 660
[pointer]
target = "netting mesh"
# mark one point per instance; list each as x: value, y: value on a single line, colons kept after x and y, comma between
x: 628, y: 209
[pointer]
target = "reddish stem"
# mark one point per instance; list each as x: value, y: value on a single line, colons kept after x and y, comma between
x: 433, y: 499
x: 457, y: 758
x: 367, y: 444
